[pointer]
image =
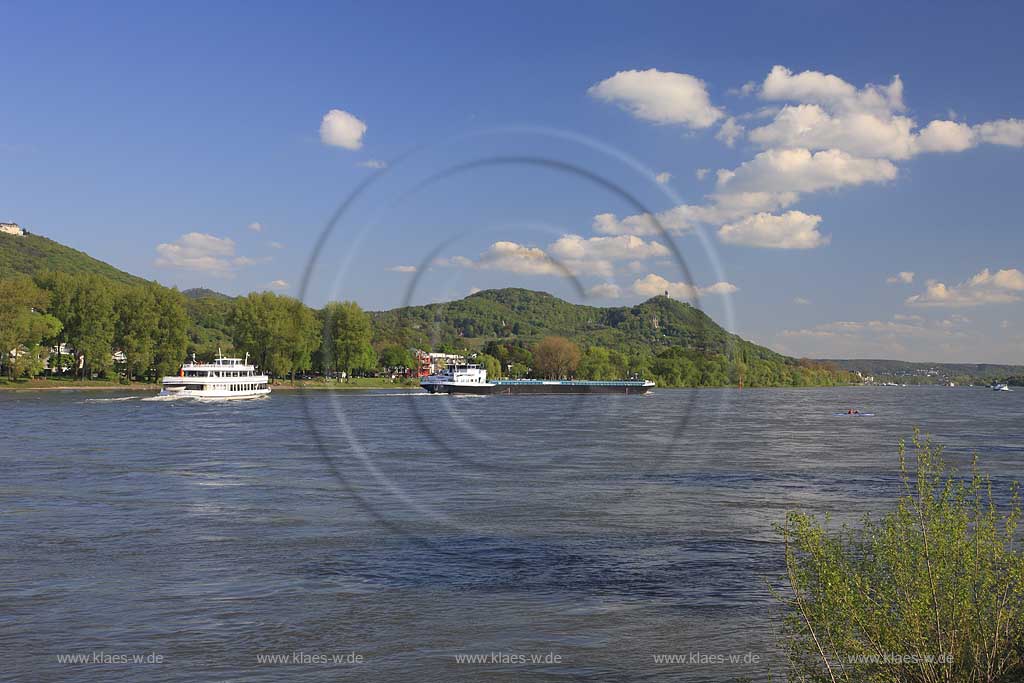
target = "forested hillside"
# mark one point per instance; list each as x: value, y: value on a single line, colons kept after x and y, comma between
x: 102, y: 309
x: 525, y: 315
x: 33, y: 254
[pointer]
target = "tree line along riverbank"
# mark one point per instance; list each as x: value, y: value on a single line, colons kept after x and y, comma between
x: 90, y: 327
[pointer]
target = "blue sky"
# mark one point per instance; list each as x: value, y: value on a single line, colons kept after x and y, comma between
x: 843, y: 144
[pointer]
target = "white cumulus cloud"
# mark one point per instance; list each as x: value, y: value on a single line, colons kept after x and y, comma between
x: 819, y: 132
x: 342, y: 129
x: 518, y: 258
x: 663, y: 178
x: 255, y: 226
x: 800, y: 170
x: 655, y: 285
x: 905, y: 277
x: 279, y: 284
x: 790, y: 230
x: 833, y: 114
x: 202, y: 252
x: 1000, y: 287
x: 569, y: 254
x: 859, y: 133
x: 720, y: 209
x: 402, y: 269
x: 730, y: 131
x: 605, y: 290
x: 619, y: 248
x: 660, y: 96
x: 1008, y: 132
x: 781, y: 84
x: 946, y: 136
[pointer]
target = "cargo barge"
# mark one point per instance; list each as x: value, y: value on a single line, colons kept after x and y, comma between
x: 472, y: 379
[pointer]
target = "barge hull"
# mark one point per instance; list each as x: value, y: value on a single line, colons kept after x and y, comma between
x: 534, y: 389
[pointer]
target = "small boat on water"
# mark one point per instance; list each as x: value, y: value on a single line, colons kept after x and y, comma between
x: 1001, y: 386
x: 224, y: 378
x: 472, y: 379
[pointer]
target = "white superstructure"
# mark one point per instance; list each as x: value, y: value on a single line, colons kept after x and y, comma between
x: 223, y: 378
x: 464, y: 375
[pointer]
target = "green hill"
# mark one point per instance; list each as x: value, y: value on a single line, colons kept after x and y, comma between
x: 33, y: 254
x: 668, y: 340
x: 526, y: 315
x: 204, y: 293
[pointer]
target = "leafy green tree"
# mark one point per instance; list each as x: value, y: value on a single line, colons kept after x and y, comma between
x: 256, y: 328
x: 61, y: 288
x: 596, y: 364
x: 170, y: 339
x: 395, y: 356
x: 302, y: 335
x: 349, y: 333
x: 31, y: 359
x: 23, y: 324
x: 937, y: 583
x: 555, y: 357
x: 518, y: 370
x: 279, y: 332
x: 90, y: 329
x: 136, y: 327
x: 491, y: 364
x: 209, y: 330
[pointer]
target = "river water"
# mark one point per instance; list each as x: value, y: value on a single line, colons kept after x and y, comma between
x: 385, y: 536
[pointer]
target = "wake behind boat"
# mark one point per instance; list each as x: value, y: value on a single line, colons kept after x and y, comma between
x: 472, y: 379
x: 224, y: 378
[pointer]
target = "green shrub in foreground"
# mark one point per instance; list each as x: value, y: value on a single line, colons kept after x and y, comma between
x: 934, y: 591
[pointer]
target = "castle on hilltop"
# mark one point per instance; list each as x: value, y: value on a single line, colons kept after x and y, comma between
x: 12, y: 229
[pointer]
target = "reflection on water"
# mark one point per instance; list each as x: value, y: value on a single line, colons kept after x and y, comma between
x: 214, y: 533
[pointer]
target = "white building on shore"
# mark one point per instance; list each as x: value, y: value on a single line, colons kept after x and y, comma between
x: 443, y: 360
x: 12, y: 229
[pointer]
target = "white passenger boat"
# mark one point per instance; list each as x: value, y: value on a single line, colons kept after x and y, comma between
x: 225, y: 378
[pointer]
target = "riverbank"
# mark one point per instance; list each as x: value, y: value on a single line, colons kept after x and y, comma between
x: 44, y: 384
x: 335, y: 385
x: 40, y: 384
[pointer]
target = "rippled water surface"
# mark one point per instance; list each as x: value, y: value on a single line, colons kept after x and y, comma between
x: 591, y: 532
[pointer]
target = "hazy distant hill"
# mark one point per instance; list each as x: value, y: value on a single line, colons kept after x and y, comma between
x: 902, y: 368
x: 32, y: 254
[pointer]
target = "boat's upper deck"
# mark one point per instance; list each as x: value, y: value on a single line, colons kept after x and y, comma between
x: 220, y: 367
